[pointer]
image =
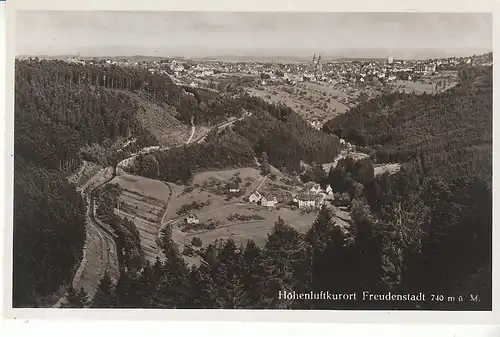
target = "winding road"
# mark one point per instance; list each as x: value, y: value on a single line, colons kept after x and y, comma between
x: 221, y: 126
x: 100, y: 251
x: 193, y: 130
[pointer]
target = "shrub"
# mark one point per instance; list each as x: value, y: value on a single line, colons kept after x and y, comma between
x: 196, y: 241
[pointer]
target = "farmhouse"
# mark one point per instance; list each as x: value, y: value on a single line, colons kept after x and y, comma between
x: 309, y: 200
x: 191, y: 219
x: 233, y: 187
x: 315, y: 189
x: 255, y: 197
x: 306, y: 201
x: 268, y: 202
x: 329, y: 190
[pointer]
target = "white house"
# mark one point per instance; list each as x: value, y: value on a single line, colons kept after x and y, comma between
x: 306, y: 203
x: 315, y: 189
x: 309, y: 201
x: 329, y: 190
x: 268, y: 203
x: 255, y: 197
x: 191, y: 219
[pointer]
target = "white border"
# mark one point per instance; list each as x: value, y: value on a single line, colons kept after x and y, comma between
x: 431, y: 317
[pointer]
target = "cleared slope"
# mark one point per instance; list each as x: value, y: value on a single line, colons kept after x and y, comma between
x: 160, y: 120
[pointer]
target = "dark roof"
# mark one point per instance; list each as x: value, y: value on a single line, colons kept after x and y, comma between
x: 233, y: 186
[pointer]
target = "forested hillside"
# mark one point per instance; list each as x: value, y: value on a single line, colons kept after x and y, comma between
x: 450, y: 132
x: 268, y: 129
x: 66, y: 113
x: 49, y: 232
x: 426, y: 229
x: 63, y: 114
x: 180, y: 163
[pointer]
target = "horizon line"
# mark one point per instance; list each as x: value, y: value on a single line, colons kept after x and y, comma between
x: 267, y: 57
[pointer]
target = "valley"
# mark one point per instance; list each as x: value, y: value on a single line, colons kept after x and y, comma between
x: 214, y: 185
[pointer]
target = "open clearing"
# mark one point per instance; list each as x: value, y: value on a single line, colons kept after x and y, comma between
x: 211, y: 186
x: 256, y: 230
x: 99, y: 251
x: 144, y: 186
x: 226, y: 175
x: 281, y: 188
x: 389, y: 168
x: 242, y: 231
x: 312, y: 103
x: 161, y: 121
x: 233, y: 218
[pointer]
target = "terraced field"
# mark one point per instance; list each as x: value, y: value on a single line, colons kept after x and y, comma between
x: 145, y: 212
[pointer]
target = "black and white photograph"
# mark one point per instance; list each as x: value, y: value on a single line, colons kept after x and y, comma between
x: 252, y: 160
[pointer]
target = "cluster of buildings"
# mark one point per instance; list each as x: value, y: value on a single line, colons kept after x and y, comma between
x: 345, y: 72
x: 311, y: 197
x: 263, y: 200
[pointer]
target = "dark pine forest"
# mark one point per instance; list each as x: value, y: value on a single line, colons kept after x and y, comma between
x: 424, y: 229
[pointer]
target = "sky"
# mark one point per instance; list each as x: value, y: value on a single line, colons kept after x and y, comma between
x: 205, y: 34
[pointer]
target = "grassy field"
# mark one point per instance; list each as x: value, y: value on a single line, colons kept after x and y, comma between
x: 233, y: 218
x: 282, y: 188
x: 151, y: 188
x: 141, y: 207
x: 236, y: 219
x: 242, y: 231
x: 257, y: 230
x: 311, y: 102
x: 245, y: 174
x: 427, y: 83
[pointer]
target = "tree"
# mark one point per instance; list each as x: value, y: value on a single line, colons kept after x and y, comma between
x: 368, y: 242
x: 83, y: 298
x: 283, y: 264
x: 264, y: 164
x: 104, y: 297
x: 72, y: 298
x: 253, y: 273
x: 196, y: 241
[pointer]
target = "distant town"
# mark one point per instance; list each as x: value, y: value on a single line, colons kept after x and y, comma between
x: 316, y: 89
x: 331, y: 72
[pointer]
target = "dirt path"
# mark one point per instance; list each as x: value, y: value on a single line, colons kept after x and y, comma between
x: 225, y: 124
x: 125, y: 162
x: 99, y: 251
x: 262, y: 182
x: 193, y: 130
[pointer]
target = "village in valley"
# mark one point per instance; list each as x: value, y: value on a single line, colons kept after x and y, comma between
x: 181, y: 165
x: 240, y: 204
